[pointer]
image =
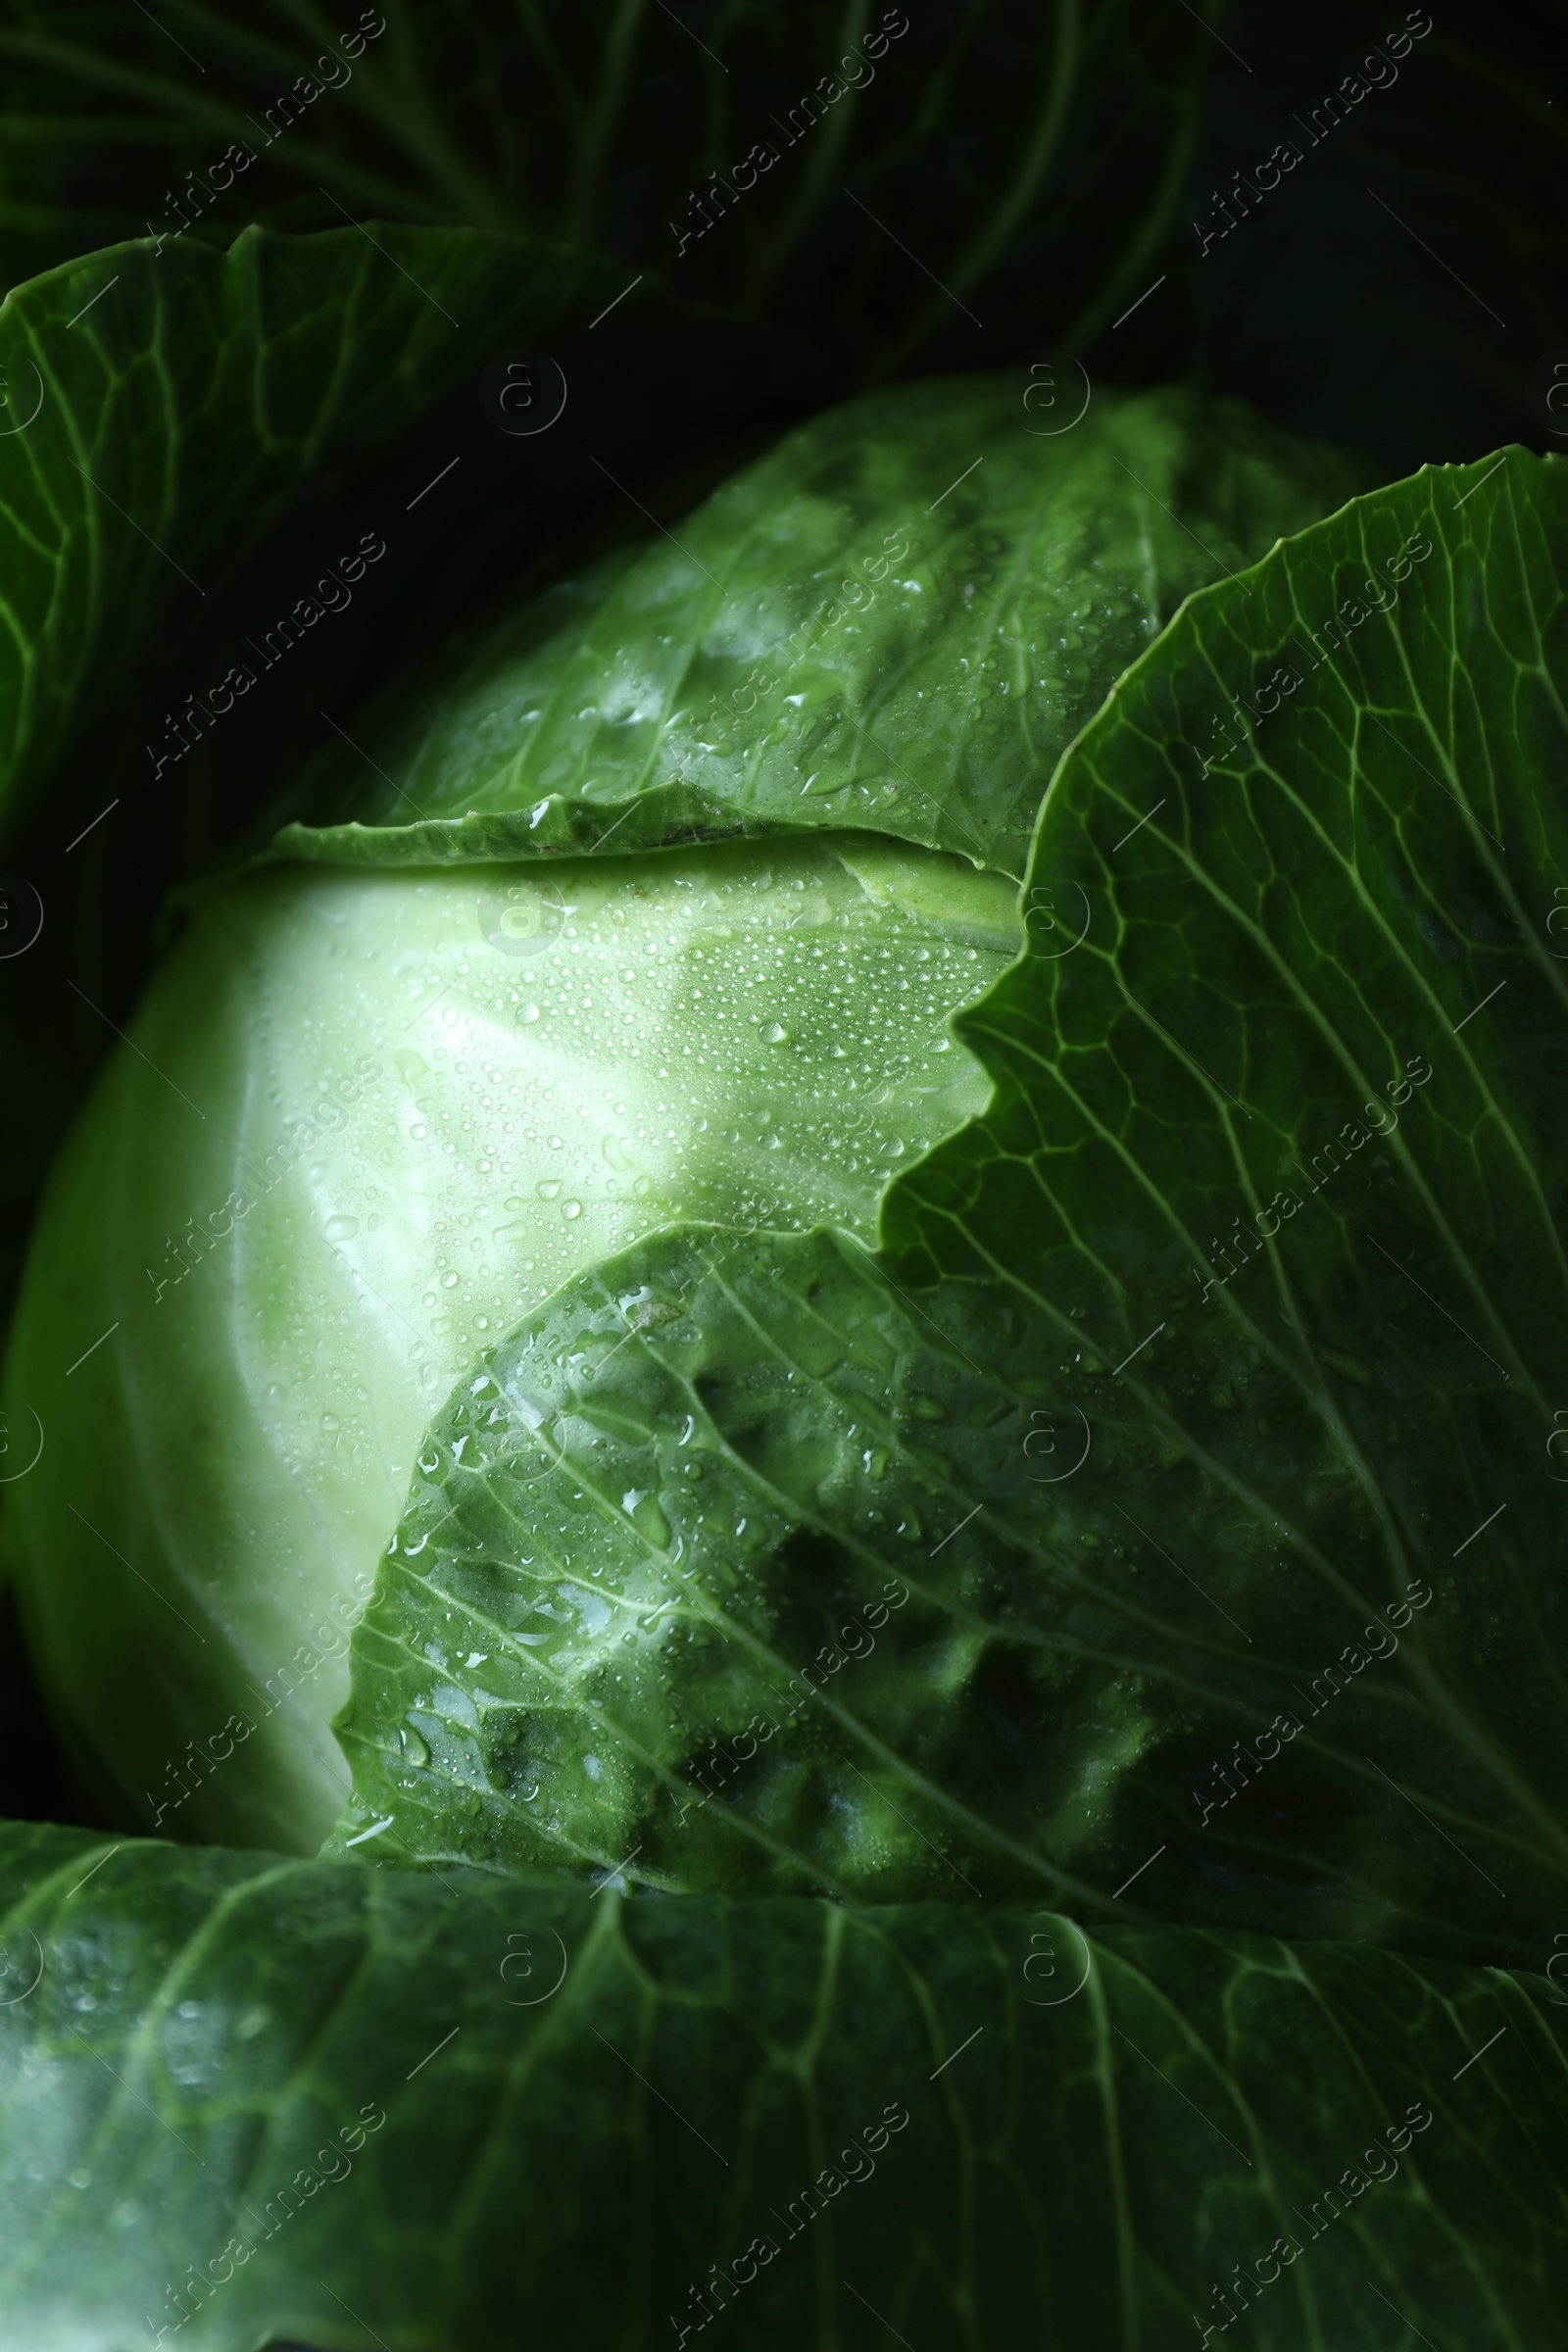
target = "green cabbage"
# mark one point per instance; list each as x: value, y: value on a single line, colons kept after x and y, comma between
x: 417, y: 1070
x: 1031, y: 1475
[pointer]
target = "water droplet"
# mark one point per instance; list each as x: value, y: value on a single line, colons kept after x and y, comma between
x: 414, y: 1747
x: 341, y: 1229
x: 571, y: 1209
x: 449, y: 1282
x: 331, y: 1425
x: 650, y: 1522
x: 550, y: 1189
x: 771, y: 1033
x: 416, y: 1133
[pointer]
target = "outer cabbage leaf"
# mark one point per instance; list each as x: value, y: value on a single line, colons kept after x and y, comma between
x: 242, y: 2098
x: 899, y: 619
x: 179, y: 422
x: 1228, y: 1561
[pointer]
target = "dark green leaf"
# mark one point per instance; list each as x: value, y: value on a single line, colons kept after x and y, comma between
x: 171, y: 417
x: 243, y: 2098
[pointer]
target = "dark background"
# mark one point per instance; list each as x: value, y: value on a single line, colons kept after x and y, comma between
x: 1047, y: 164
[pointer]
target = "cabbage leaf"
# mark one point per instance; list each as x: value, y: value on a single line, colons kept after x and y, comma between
x: 244, y: 2097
